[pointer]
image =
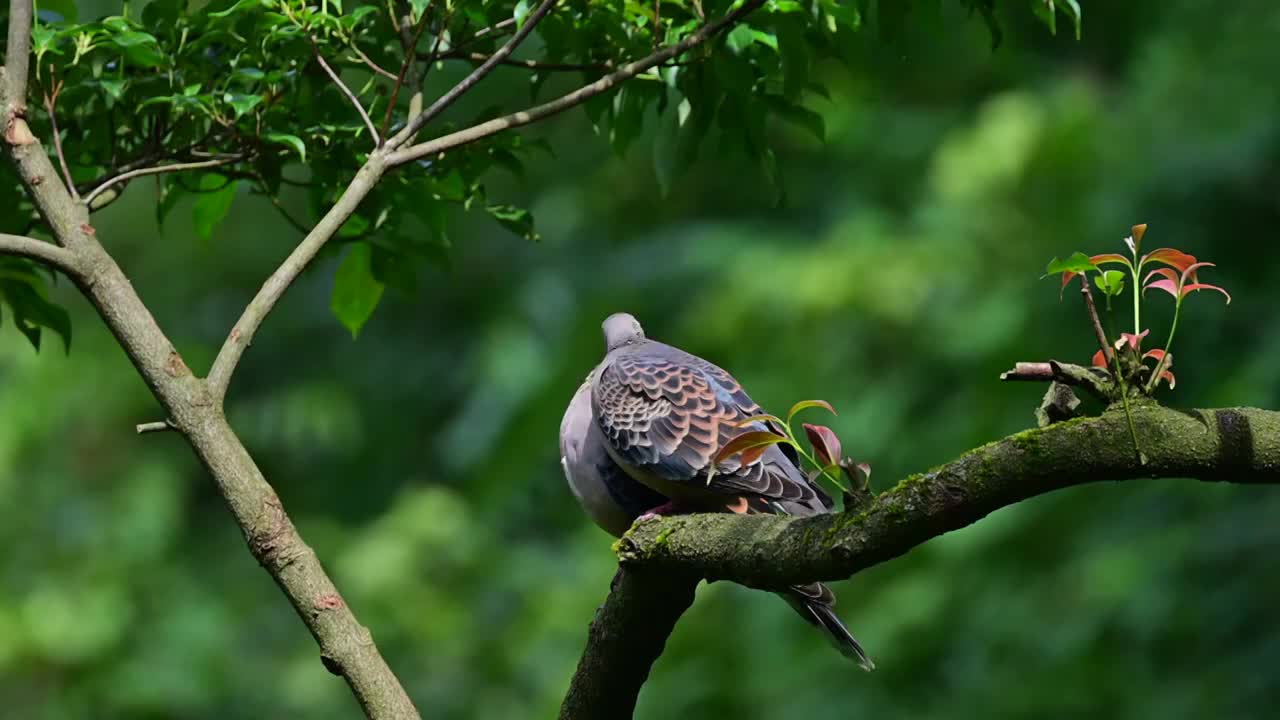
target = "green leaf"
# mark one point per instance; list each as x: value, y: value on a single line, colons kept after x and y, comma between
x: 293, y: 141
x: 239, y: 7
x: 1110, y: 282
x: 356, y: 292
x: 1077, y: 263
x: 418, y: 7
x: 806, y: 404
x: 32, y: 311
x: 212, y: 206
x: 520, y: 13
x: 170, y: 194
x: 141, y: 48
x: 517, y: 220
x: 241, y: 103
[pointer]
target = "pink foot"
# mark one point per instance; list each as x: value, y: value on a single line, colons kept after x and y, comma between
x: 666, y: 508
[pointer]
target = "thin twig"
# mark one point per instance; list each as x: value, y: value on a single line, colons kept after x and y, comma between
x: 409, y: 54
x: 51, y: 102
x: 444, y: 101
x: 256, y: 311
x: 527, y: 64
x: 1094, y: 320
x: 1113, y: 361
x: 157, y: 169
x: 373, y: 131
x: 372, y: 65
x: 34, y: 249
x: 483, y: 34
x: 577, y: 97
x: 157, y: 426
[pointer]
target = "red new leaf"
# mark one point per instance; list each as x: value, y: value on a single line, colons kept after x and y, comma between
x: 1170, y: 257
x: 1166, y: 285
x: 747, y: 441
x: 1100, y: 360
x: 1134, y: 340
x: 1110, y: 258
x: 826, y: 446
x: 1202, y: 286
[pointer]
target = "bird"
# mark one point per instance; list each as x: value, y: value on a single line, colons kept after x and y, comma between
x: 640, y: 434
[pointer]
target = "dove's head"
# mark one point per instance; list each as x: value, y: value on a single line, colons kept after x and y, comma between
x: 621, y: 329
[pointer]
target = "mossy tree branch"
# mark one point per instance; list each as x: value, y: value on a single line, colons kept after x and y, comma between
x: 1239, y: 445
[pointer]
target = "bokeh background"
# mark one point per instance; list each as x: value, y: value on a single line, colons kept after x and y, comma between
x: 898, y: 280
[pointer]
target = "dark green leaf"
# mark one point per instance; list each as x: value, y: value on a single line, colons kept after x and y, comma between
x: 212, y: 206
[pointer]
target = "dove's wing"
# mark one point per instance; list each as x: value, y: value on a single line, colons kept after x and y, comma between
x: 611, y: 498
x: 667, y: 413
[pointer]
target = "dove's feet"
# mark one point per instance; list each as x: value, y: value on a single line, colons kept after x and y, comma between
x: 666, y: 508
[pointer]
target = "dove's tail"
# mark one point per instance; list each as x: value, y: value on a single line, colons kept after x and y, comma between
x: 815, y: 603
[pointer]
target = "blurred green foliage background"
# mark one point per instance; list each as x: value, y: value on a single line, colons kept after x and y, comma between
x: 898, y: 279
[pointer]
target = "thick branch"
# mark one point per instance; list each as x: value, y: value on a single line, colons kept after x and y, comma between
x: 345, y: 646
x: 444, y: 101
x: 242, y: 332
x: 47, y: 253
x: 1239, y: 445
x: 17, y: 56
x: 627, y: 635
x: 577, y: 97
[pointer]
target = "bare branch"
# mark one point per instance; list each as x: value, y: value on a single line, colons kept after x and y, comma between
x: 17, y: 57
x: 627, y: 635
x: 1096, y: 382
x: 577, y: 97
x: 444, y: 101
x: 34, y: 249
x: 242, y: 332
x: 484, y: 33
x: 526, y: 64
x: 156, y: 170
x: 373, y: 131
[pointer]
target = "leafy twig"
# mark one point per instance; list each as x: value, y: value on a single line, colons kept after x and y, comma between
x: 572, y: 99
x: 409, y: 55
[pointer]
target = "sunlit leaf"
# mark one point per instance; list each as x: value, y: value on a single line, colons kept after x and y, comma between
x: 292, y: 141
x: 356, y: 292
x: 806, y: 404
x: 747, y: 441
x: 1078, y: 262
x: 1169, y: 256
